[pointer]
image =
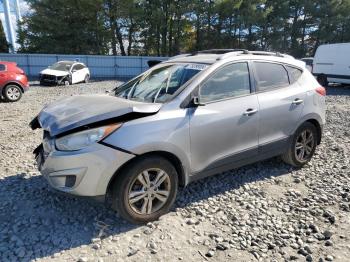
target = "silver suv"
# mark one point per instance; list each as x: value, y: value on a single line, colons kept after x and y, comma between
x: 184, y: 119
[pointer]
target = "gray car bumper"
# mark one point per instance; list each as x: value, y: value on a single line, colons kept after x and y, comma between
x: 85, y: 172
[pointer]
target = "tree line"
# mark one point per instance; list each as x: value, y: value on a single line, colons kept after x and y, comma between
x: 170, y: 27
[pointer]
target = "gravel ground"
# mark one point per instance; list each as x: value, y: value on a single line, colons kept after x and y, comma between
x: 266, y: 211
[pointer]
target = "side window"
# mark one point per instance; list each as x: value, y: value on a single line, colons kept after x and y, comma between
x: 2, y: 67
x: 294, y: 74
x: 78, y: 67
x: 229, y: 81
x: 270, y: 76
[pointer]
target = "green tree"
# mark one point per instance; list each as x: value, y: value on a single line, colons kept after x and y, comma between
x: 4, y: 45
x: 64, y: 26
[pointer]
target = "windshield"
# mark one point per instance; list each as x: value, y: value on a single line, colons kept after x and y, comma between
x: 159, y: 84
x: 61, y: 66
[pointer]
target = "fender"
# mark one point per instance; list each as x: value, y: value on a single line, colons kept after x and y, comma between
x: 13, y: 82
x: 307, y: 117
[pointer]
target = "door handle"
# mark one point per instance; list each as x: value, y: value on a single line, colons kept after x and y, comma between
x: 297, y: 101
x: 250, y: 112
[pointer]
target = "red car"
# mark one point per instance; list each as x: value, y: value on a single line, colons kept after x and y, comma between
x: 13, y: 81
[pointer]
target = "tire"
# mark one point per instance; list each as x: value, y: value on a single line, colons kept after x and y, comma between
x: 12, y: 93
x: 297, y: 147
x: 87, y: 79
x: 322, y: 80
x: 136, y: 208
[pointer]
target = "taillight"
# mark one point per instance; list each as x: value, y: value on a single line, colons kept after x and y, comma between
x: 321, y: 90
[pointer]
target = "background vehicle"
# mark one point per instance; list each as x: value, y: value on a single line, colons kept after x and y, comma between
x: 332, y: 64
x: 309, y: 62
x: 182, y: 120
x: 13, y: 81
x: 65, y: 73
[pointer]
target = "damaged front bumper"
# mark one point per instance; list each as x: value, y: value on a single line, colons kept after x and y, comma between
x: 52, y: 80
x: 85, y: 172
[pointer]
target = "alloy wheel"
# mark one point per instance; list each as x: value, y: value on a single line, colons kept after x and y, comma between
x: 304, y: 145
x: 13, y: 93
x: 149, y: 191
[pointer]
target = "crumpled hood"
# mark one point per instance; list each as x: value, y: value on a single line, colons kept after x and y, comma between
x: 52, y: 72
x: 78, y: 111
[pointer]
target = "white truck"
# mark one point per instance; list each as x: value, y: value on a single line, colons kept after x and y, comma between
x: 332, y: 64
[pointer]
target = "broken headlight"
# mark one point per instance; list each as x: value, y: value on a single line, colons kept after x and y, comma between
x: 80, y: 140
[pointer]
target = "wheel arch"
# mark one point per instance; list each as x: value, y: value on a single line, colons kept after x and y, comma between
x: 12, y: 83
x: 318, y: 128
x: 173, y: 159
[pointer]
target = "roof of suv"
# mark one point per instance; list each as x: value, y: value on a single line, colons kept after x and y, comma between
x: 215, y: 55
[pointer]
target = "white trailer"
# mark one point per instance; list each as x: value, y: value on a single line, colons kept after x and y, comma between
x: 332, y: 64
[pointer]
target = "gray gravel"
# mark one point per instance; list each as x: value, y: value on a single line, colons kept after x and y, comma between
x: 267, y: 211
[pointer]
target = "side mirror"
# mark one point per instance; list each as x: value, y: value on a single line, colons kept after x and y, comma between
x: 196, y: 101
x: 74, y: 70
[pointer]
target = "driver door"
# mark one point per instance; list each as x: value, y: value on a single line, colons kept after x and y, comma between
x: 225, y: 129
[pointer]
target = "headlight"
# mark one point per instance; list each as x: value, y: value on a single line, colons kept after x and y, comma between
x: 85, y: 138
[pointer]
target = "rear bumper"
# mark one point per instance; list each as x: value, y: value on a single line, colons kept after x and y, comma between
x: 85, y: 172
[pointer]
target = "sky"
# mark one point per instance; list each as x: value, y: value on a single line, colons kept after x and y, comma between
x: 24, y: 8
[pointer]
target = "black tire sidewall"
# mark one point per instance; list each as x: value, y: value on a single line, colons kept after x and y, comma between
x: 303, y: 127
x: 122, y: 184
x: 5, y: 93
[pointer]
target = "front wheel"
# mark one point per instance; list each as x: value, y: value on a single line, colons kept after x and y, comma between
x: 145, y: 190
x: 303, y: 146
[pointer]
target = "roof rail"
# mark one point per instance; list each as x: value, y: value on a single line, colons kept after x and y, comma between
x: 266, y: 53
x: 218, y: 51
x: 254, y: 53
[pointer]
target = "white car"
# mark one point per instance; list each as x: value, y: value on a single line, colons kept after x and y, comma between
x: 332, y: 64
x: 65, y: 73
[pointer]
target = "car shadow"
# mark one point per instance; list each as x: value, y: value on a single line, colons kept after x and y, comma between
x: 36, y: 222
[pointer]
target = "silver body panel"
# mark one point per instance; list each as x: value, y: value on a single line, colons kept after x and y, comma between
x: 204, y: 138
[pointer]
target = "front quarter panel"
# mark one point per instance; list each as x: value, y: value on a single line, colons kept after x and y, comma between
x: 166, y: 131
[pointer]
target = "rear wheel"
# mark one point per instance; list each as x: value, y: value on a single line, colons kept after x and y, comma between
x: 145, y: 190
x: 303, y: 146
x: 12, y: 93
x: 87, y: 79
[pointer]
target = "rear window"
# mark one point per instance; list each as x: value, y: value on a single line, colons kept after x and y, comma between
x: 2, y: 67
x: 270, y: 76
x: 294, y: 74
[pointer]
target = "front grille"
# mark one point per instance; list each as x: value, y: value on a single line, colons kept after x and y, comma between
x: 49, y: 78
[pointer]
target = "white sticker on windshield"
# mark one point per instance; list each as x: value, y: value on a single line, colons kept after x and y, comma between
x: 197, y: 66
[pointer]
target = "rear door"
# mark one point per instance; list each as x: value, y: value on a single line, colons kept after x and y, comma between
x: 281, y: 102
x: 225, y: 130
